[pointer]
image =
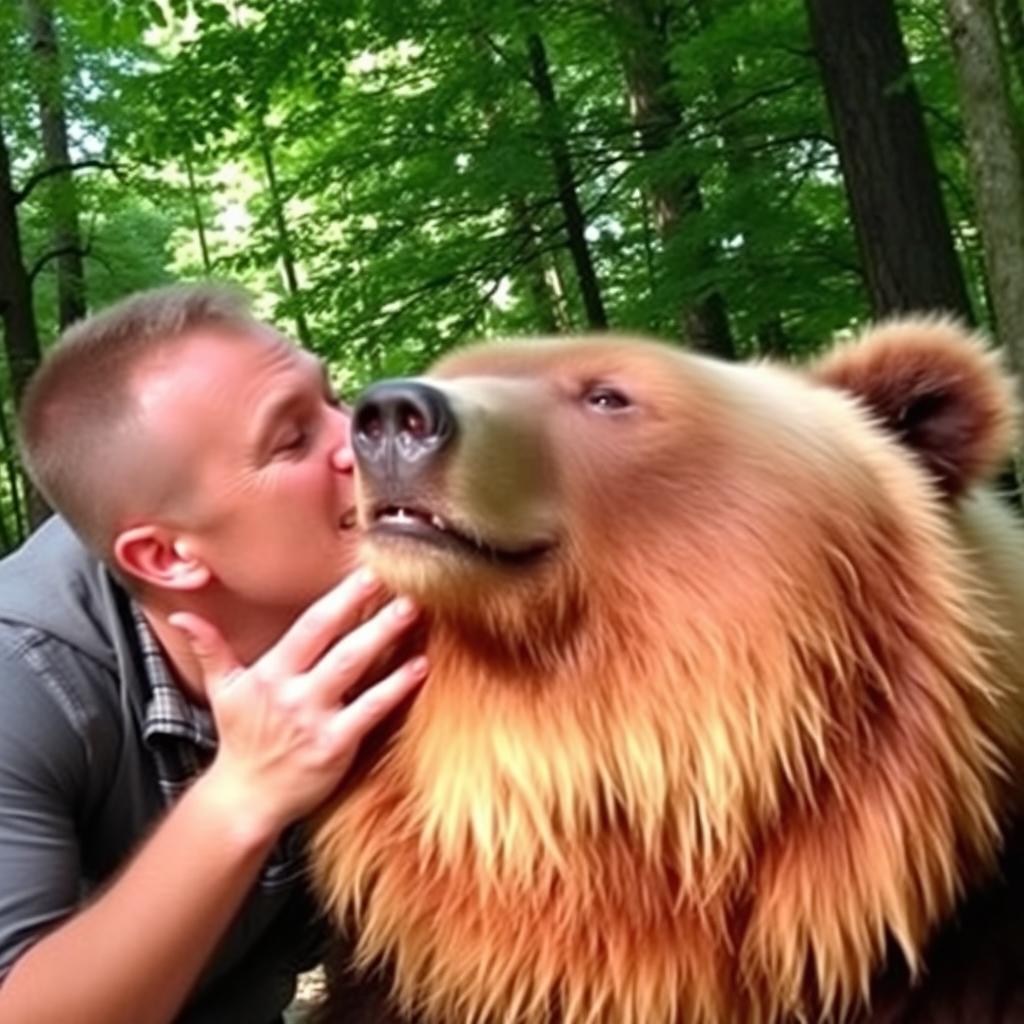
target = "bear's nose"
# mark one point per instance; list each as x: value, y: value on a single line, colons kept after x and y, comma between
x: 399, y: 426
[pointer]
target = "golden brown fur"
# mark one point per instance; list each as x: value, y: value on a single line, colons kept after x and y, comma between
x: 747, y: 723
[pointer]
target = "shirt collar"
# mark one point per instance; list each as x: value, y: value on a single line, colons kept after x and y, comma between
x: 169, y: 713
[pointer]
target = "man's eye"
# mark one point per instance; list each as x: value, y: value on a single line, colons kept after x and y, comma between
x: 292, y: 442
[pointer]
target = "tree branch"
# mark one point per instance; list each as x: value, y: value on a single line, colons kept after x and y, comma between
x: 52, y: 255
x: 48, y: 172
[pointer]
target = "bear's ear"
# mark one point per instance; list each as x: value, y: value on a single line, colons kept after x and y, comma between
x: 938, y: 388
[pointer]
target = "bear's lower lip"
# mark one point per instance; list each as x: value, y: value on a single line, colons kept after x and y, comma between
x: 428, y: 528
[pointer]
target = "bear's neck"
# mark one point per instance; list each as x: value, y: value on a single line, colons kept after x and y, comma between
x: 662, y: 843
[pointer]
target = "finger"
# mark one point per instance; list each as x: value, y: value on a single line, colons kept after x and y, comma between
x: 337, y: 612
x: 352, y: 722
x: 412, y: 641
x: 349, y: 659
x: 217, y: 661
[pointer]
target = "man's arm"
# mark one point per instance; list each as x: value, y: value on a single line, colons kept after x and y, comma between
x: 134, y: 954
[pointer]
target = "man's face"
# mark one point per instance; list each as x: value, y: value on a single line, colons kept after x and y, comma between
x: 262, y: 455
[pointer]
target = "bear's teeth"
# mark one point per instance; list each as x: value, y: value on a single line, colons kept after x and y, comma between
x: 399, y: 514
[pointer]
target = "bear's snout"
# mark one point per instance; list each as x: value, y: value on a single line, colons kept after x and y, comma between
x: 399, y: 428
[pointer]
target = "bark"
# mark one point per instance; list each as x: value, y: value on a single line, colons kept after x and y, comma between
x: 285, y: 249
x: 995, y: 159
x: 899, y: 218
x: 655, y: 111
x: 565, y: 180
x: 21, y: 338
x: 63, y: 199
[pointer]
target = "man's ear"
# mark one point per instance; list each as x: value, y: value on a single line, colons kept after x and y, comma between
x: 159, y: 558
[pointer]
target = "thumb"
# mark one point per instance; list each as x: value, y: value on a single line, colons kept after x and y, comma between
x: 217, y: 661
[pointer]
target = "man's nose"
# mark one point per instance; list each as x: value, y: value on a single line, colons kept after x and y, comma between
x: 342, y: 456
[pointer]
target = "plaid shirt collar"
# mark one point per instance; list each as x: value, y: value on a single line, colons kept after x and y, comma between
x: 181, y: 735
x: 182, y: 738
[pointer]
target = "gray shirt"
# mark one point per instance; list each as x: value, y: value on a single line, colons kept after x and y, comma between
x: 81, y: 778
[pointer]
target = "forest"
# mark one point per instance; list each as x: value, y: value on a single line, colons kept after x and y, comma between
x: 389, y: 179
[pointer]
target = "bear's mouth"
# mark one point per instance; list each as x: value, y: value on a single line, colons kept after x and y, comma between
x: 420, y: 524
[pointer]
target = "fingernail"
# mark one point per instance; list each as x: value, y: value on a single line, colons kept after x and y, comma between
x: 366, y: 578
x: 418, y: 667
x: 404, y: 608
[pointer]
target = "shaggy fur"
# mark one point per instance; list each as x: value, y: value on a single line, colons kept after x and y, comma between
x: 747, y: 723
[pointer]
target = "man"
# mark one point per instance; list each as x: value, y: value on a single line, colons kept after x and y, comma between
x: 181, y: 677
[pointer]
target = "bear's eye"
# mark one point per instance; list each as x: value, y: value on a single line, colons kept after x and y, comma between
x: 605, y: 398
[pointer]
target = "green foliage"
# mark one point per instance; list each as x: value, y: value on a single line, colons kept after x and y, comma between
x: 416, y: 200
x: 414, y: 162
x: 415, y: 174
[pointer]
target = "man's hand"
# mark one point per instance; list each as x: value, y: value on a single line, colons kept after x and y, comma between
x: 286, y: 733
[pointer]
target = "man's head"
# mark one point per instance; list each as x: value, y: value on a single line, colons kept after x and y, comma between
x: 194, y: 449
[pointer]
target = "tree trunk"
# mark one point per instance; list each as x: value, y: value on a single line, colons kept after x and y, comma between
x: 20, y: 335
x: 63, y: 199
x: 997, y: 168
x: 284, y: 242
x: 21, y: 339
x: 15, y: 486
x: 531, y: 264
x: 655, y: 111
x: 197, y: 213
x: 565, y: 180
x: 900, y: 222
x: 545, y: 304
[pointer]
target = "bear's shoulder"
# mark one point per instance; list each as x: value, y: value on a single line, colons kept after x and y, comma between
x: 974, y: 968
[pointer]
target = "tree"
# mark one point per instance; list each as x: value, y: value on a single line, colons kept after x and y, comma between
x: 644, y: 31
x: 67, y: 236
x: 553, y: 131
x: 899, y: 217
x: 285, y: 248
x: 994, y: 151
x: 21, y: 339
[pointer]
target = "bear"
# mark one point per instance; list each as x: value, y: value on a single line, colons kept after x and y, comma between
x: 725, y: 715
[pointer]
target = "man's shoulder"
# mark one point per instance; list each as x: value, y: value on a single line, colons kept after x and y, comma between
x: 52, y: 586
x: 66, y: 634
x: 51, y: 553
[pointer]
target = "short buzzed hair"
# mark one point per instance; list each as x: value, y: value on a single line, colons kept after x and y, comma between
x: 79, y: 406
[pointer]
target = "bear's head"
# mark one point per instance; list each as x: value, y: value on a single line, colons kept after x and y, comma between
x: 720, y: 700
